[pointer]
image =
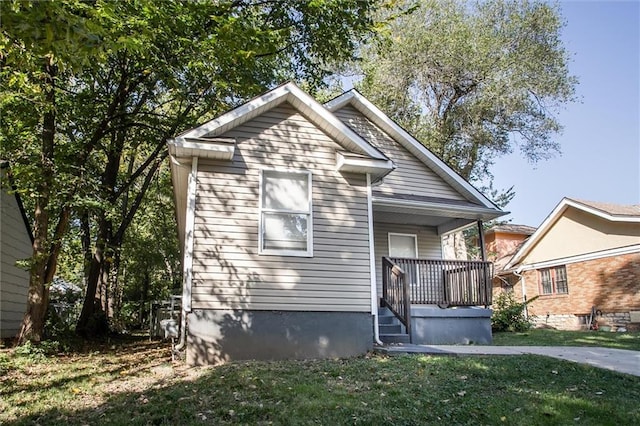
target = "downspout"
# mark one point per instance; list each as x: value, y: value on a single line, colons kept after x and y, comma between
x: 187, y: 267
x: 524, y: 292
x: 372, y: 265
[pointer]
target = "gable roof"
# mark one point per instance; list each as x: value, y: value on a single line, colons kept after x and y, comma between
x: 616, y: 212
x: 207, y: 141
x: 380, y: 119
x: 287, y: 92
x: 606, y: 211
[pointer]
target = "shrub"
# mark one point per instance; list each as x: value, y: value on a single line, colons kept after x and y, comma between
x: 508, y: 313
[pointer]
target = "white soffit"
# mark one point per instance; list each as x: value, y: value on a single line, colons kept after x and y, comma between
x: 211, y: 148
x: 180, y: 170
x: 349, y: 162
x: 373, y: 113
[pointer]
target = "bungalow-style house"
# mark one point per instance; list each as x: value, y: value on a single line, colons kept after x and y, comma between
x: 297, y: 220
x: 16, y: 240
x: 584, y: 264
x: 502, y: 242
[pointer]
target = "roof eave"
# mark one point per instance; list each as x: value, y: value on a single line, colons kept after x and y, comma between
x: 288, y: 92
x: 362, y: 104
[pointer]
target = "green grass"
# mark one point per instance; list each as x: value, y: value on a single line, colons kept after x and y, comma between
x: 136, y: 383
x: 547, y: 337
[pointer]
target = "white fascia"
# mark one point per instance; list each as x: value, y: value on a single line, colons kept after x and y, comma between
x: 619, y: 251
x: 300, y: 100
x: 470, y: 212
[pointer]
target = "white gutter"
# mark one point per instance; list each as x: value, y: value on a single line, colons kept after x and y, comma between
x: 187, y: 267
x: 524, y: 292
x: 469, y: 212
x: 372, y: 265
x: 617, y: 251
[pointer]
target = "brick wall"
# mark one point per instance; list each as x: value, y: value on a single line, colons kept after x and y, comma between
x: 610, y: 284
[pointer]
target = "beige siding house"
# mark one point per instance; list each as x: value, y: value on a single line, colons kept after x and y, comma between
x: 15, y: 241
x: 584, y: 258
x: 285, y: 209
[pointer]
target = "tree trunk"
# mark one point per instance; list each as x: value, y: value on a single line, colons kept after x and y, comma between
x: 93, y: 320
x: 32, y: 327
x: 91, y: 307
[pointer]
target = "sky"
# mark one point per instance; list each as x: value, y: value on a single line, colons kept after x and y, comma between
x: 600, y: 143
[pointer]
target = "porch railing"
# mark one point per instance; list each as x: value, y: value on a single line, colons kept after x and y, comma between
x: 444, y: 282
x: 395, y: 292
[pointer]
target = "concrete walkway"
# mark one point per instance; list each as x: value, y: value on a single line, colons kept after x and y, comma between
x: 621, y: 360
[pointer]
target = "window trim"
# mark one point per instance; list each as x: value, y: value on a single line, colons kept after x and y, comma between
x: 554, y: 281
x: 309, y: 212
x: 400, y: 234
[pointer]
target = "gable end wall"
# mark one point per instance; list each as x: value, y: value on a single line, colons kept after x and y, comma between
x: 228, y: 273
x: 411, y: 177
x: 577, y: 232
x: 14, y: 282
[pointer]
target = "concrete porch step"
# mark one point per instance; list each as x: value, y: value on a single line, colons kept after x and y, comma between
x: 394, y: 338
x: 388, y: 319
x: 390, y: 328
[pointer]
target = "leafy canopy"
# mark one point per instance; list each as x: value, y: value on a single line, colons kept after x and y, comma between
x: 473, y: 80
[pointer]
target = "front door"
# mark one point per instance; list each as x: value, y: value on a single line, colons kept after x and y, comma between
x: 406, y: 246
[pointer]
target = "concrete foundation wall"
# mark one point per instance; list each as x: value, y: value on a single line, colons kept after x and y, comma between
x: 216, y: 336
x: 435, y: 326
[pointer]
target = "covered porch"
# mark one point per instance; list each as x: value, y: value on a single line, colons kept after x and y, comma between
x: 432, y: 300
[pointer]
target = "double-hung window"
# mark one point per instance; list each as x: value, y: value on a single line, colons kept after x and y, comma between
x: 286, y: 223
x: 554, y: 280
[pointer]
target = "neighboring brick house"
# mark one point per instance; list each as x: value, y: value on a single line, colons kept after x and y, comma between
x: 584, y: 258
x: 501, y: 243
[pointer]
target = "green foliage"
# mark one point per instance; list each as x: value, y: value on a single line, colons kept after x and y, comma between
x: 37, y: 351
x: 113, y: 80
x: 508, y: 313
x: 473, y: 80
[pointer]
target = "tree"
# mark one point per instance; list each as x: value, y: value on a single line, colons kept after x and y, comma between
x: 105, y: 83
x: 40, y: 45
x: 473, y: 80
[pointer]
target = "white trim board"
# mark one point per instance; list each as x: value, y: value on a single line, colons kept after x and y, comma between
x: 579, y: 258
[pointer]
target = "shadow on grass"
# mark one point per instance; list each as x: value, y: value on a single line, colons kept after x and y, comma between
x: 398, y: 390
x: 108, y: 360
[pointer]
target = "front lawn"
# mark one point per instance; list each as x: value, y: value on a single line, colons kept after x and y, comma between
x: 136, y: 383
x: 547, y: 337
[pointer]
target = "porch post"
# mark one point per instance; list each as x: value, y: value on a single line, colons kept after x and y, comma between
x: 483, y: 253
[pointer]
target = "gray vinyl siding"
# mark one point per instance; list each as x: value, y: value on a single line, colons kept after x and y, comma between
x: 412, y: 176
x: 14, y: 282
x: 429, y: 244
x: 228, y: 273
